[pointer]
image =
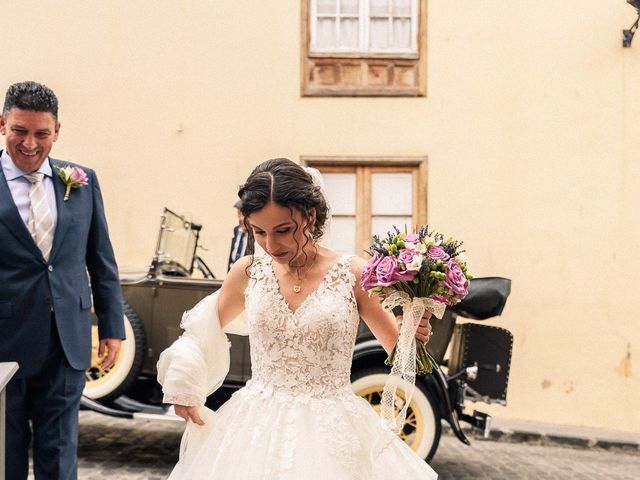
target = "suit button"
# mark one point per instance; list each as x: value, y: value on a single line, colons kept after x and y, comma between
x: 50, y: 268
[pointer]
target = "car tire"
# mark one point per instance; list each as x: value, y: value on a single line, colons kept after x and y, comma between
x: 422, y: 428
x: 117, y: 380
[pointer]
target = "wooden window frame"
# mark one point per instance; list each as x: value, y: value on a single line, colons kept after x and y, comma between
x: 339, y: 74
x: 360, y: 166
x: 364, y: 32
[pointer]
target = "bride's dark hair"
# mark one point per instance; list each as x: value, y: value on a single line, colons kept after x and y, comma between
x: 286, y: 183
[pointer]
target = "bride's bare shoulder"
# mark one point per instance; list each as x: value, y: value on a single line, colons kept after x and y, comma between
x: 355, y: 262
x: 328, y: 254
x: 238, y: 276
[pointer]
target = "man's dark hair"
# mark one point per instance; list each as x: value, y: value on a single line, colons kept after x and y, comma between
x: 31, y: 96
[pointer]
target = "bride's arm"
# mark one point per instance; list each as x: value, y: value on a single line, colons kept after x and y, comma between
x: 382, y: 323
x: 231, y: 299
x: 197, y: 362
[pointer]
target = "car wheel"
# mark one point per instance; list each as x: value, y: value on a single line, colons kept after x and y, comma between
x: 110, y: 384
x: 422, y: 428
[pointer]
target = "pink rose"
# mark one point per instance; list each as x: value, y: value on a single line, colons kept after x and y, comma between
x: 78, y: 176
x: 368, y: 278
x: 412, y: 237
x: 441, y: 298
x: 437, y: 253
x: 387, y: 272
x: 407, y: 258
x: 455, y: 279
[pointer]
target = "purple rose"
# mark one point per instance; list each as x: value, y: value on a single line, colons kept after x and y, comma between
x: 437, y: 253
x: 407, y: 257
x: 412, y: 237
x: 387, y: 272
x: 441, y: 298
x: 455, y: 279
x: 368, y: 278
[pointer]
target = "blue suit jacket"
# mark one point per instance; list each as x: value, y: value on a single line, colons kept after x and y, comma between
x: 31, y: 286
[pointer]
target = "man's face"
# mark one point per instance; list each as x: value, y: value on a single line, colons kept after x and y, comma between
x: 30, y: 136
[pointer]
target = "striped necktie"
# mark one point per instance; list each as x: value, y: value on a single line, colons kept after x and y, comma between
x: 40, y: 218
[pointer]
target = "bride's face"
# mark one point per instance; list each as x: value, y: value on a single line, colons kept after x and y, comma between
x: 275, y: 230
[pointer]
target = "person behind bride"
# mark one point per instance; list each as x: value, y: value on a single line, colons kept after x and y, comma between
x: 297, y: 418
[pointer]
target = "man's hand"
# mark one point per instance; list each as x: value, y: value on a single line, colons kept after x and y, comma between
x: 112, y: 347
x: 424, y: 331
x: 189, y: 413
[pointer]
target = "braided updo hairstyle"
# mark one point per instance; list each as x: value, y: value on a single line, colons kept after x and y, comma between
x: 286, y: 183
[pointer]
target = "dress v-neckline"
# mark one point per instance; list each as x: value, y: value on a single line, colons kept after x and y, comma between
x: 283, y: 299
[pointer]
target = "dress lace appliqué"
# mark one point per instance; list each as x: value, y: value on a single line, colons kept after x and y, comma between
x: 306, y: 352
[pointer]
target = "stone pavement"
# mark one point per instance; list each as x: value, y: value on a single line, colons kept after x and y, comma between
x: 138, y: 449
x: 552, y: 434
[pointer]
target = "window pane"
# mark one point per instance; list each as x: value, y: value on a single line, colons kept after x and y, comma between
x: 349, y: 7
x: 402, y: 33
x: 325, y: 37
x: 327, y: 7
x: 349, y: 33
x: 341, y: 191
x: 379, y: 8
x: 392, y: 193
x: 401, y: 8
x: 382, y: 225
x: 342, y: 235
x: 379, y: 34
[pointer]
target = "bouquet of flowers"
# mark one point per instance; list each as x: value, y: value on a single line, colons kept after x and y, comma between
x: 417, y: 271
x: 419, y: 265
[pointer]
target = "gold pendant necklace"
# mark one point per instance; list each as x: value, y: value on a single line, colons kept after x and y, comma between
x: 297, y: 287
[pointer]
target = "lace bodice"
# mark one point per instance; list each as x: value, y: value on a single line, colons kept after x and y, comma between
x: 308, y: 351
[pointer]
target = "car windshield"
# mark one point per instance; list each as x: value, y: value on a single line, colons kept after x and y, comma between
x: 176, y: 244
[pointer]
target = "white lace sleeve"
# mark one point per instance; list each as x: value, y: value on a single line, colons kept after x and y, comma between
x: 196, y: 363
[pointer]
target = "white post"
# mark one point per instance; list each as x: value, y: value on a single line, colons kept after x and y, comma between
x: 7, y: 370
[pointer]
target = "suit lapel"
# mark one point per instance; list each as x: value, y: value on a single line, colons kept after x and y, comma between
x: 10, y: 216
x: 64, y: 213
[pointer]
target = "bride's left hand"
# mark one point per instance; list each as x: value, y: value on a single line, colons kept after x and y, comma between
x: 424, y: 331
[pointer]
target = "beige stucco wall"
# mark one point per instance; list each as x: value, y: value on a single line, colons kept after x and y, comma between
x: 530, y: 125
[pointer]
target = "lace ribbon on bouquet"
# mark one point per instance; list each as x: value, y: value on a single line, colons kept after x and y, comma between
x: 403, y: 371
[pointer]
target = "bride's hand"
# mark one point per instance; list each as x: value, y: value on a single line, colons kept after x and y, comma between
x: 189, y: 413
x: 424, y: 331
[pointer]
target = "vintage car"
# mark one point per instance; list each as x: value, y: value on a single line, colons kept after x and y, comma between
x: 177, y: 279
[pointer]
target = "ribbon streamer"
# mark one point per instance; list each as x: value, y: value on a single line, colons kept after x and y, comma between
x: 403, y: 371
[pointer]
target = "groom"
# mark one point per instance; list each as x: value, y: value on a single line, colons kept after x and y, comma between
x: 52, y: 246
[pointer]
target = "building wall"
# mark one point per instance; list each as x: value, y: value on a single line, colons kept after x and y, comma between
x: 530, y: 124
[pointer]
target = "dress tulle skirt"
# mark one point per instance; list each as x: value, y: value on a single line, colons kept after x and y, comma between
x: 266, y: 435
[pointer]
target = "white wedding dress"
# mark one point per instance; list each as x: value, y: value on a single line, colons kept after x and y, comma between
x: 297, y: 418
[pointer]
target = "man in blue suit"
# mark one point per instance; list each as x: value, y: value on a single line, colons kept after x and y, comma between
x: 52, y: 246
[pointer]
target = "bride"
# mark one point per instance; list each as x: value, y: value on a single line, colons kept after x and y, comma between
x: 297, y: 418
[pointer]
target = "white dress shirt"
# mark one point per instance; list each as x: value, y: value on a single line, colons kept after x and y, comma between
x: 20, y: 186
